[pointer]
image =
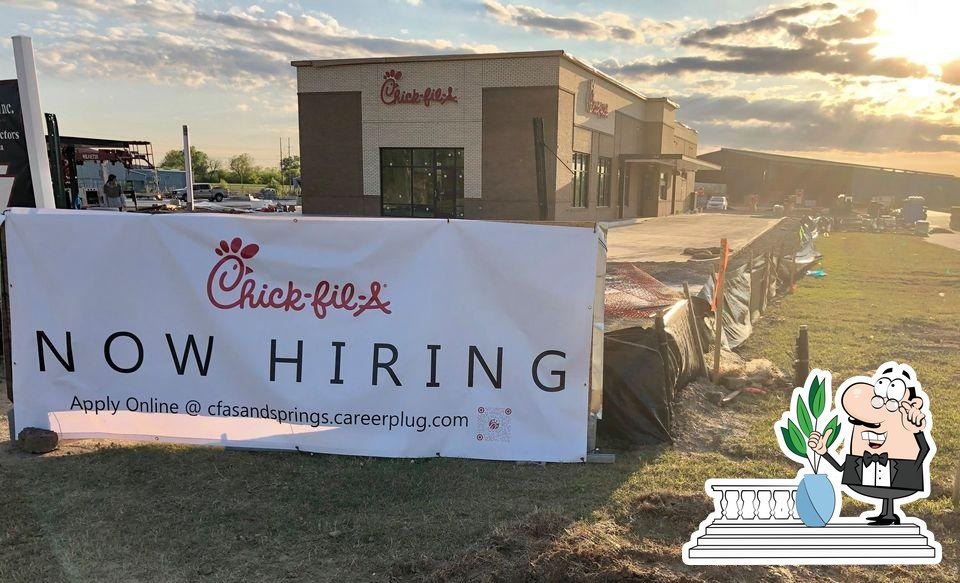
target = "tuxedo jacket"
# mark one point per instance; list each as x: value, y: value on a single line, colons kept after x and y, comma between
x: 904, y: 474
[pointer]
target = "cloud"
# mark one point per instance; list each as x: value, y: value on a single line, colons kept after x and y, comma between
x: 176, y: 43
x: 771, y: 21
x: 810, y: 125
x: 605, y: 26
x: 32, y: 4
x: 782, y: 42
x: 861, y: 25
x: 811, y: 56
x: 951, y: 73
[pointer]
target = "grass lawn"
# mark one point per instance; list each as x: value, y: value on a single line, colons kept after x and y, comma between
x: 96, y: 511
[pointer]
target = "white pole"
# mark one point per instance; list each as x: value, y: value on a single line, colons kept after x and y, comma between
x: 32, y: 115
x: 188, y: 167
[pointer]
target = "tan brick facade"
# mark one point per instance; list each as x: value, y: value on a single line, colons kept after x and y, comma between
x: 347, y: 116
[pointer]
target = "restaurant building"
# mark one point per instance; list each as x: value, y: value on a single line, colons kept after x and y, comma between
x: 453, y: 136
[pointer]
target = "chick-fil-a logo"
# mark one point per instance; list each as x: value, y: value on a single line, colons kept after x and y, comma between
x: 392, y: 94
x: 597, y: 108
x: 230, y: 285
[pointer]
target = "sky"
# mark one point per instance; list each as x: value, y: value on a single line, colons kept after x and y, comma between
x: 874, y: 82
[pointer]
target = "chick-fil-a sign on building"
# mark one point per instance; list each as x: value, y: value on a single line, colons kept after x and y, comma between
x: 391, y: 93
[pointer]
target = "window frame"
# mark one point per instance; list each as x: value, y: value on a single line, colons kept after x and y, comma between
x: 581, y: 180
x: 603, y: 181
x: 414, y: 161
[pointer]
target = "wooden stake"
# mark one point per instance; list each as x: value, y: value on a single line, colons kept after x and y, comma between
x: 768, y: 260
x: 662, y: 345
x: 718, y: 310
x: 802, y: 363
x: 695, y: 328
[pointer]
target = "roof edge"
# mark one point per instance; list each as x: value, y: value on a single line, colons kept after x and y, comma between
x: 425, y: 58
x: 803, y: 159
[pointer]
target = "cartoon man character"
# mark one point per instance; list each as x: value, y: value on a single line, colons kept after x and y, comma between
x: 888, y: 441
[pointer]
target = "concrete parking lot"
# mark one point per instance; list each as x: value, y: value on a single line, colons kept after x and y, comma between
x: 663, y: 239
x: 942, y: 220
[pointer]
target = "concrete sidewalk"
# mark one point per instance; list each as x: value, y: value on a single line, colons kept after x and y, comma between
x: 949, y: 240
x: 663, y: 239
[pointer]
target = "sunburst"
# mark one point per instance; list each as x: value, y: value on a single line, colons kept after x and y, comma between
x: 924, y: 31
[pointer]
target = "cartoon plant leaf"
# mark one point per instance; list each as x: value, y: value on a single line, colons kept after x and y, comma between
x: 789, y: 443
x: 796, y: 436
x: 816, y: 398
x: 834, y: 434
x: 803, y: 417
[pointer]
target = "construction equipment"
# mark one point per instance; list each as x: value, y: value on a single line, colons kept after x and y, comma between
x: 913, y: 209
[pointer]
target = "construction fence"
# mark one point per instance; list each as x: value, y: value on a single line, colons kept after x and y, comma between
x: 658, y: 338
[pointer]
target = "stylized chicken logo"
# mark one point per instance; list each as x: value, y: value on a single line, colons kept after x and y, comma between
x: 234, y: 259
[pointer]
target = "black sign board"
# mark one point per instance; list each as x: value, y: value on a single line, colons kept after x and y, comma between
x: 16, y: 185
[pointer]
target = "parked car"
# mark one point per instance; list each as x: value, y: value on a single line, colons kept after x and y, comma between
x: 203, y: 190
x: 717, y: 203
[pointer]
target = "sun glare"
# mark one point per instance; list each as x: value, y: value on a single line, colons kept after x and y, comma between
x: 923, y: 31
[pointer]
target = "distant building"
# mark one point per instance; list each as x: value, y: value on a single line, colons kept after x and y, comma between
x: 85, y: 164
x: 452, y: 136
x: 165, y: 178
x: 774, y: 176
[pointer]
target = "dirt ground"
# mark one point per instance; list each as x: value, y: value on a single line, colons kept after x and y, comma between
x: 111, y: 511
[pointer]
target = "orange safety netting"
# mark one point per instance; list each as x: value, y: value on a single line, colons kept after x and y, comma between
x: 634, y: 294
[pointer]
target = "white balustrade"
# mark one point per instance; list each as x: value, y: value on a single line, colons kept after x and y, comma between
x: 763, y: 501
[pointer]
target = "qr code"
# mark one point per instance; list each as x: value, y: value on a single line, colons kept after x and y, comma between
x: 493, y: 424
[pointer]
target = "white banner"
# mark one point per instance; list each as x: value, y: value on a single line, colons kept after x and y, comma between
x: 384, y: 337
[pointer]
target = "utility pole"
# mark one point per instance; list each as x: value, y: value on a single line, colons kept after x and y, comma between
x: 188, y: 167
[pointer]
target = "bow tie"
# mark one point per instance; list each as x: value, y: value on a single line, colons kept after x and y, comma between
x: 869, y: 458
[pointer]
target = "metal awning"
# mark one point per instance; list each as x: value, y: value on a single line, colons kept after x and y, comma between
x: 675, y: 161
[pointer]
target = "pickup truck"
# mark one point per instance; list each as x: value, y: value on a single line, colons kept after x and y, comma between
x: 203, y: 190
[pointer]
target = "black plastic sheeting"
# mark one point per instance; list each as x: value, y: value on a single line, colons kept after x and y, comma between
x: 747, y: 289
x: 643, y: 369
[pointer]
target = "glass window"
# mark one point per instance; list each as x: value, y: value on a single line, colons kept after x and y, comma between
x: 395, y: 185
x: 603, y: 182
x: 449, y: 184
x: 422, y: 157
x: 663, y: 186
x: 423, y: 186
x: 395, y: 157
x: 581, y: 168
x: 421, y: 182
x: 447, y: 158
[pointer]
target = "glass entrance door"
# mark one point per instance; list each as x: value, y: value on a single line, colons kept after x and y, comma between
x: 421, y: 182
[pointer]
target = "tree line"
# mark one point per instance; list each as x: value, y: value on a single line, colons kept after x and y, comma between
x: 239, y: 169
